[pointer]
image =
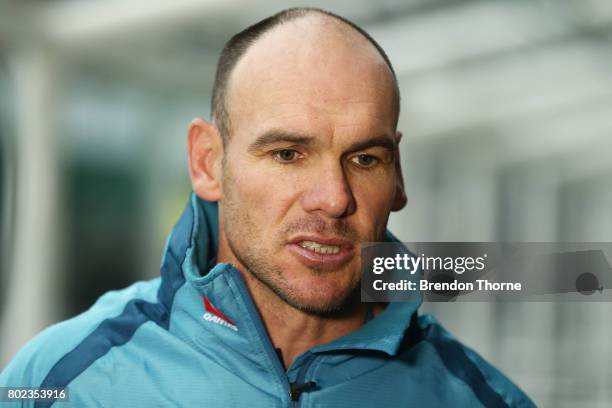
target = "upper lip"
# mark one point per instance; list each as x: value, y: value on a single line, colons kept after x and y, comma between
x: 325, y: 240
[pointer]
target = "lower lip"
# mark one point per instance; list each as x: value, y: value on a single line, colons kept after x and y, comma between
x: 311, y: 258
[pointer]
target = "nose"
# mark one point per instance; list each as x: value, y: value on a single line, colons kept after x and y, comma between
x: 329, y: 193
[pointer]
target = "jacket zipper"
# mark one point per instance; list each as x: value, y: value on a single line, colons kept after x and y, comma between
x: 300, y: 385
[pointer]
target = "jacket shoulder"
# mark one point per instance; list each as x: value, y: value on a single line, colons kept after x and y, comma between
x: 31, y: 365
x: 490, y: 386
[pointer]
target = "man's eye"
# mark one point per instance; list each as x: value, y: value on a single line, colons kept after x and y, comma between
x: 286, y: 155
x: 365, y: 160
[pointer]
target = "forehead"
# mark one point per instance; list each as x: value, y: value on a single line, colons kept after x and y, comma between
x: 313, y: 74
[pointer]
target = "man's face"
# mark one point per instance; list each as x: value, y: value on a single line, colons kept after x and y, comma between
x: 309, y: 172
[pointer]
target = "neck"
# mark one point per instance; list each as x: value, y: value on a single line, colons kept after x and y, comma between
x: 294, y: 331
x: 291, y: 330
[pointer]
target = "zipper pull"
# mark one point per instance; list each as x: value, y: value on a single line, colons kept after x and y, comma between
x: 295, y: 390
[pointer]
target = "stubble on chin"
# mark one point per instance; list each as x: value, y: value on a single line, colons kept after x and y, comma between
x: 257, y: 261
x: 259, y: 264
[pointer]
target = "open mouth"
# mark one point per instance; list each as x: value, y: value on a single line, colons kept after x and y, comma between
x: 319, y: 248
x: 324, y: 252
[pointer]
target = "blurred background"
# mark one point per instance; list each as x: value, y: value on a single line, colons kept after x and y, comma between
x: 507, y: 122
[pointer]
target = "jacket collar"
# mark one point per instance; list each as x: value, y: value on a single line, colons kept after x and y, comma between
x: 193, y: 245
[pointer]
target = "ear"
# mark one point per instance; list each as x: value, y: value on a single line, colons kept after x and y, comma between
x: 205, y: 152
x: 400, y: 199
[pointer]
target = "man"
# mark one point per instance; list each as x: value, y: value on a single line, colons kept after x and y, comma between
x: 258, y: 300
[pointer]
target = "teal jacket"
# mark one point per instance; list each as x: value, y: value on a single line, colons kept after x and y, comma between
x: 194, y: 337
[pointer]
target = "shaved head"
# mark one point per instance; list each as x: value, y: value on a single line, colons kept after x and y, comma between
x: 293, y: 40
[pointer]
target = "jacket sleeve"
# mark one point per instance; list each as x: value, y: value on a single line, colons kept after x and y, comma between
x: 510, y: 392
x: 490, y: 385
x: 31, y: 365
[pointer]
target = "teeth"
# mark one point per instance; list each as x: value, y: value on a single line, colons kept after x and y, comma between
x: 320, y: 248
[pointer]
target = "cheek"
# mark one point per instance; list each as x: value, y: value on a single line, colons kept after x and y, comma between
x: 374, y: 202
x: 267, y: 195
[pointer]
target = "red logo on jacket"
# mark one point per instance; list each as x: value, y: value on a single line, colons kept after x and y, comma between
x: 214, y: 315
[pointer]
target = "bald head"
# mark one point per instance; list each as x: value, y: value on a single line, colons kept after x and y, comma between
x: 300, y: 46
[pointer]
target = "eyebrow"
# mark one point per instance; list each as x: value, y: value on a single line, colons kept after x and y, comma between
x: 279, y: 136
x: 384, y: 141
